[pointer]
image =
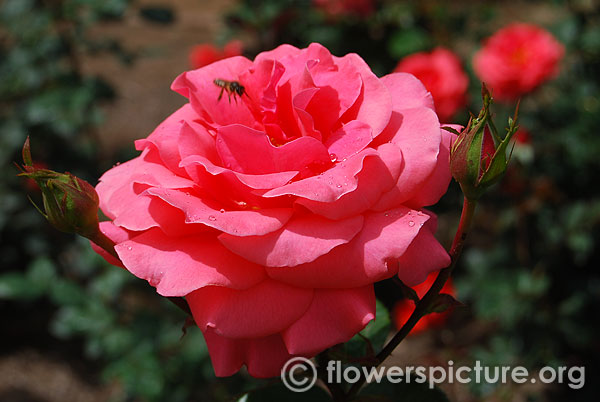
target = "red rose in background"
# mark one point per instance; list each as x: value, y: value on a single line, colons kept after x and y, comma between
x: 275, y: 214
x: 336, y: 8
x: 442, y: 74
x: 404, y: 308
x: 516, y: 59
x: 205, y: 54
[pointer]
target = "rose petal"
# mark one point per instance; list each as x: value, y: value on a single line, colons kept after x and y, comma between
x: 436, y: 184
x: 374, y: 105
x: 262, y: 310
x: 417, y: 133
x: 117, y: 235
x: 165, y: 138
x: 424, y: 255
x: 407, y: 91
x: 239, y: 147
x: 331, y: 184
x: 252, y: 181
x: 116, y: 189
x: 199, y: 88
x: 301, y: 240
x: 147, y: 211
x: 385, y: 237
x: 264, y: 357
x: 239, y: 223
x: 177, y: 266
x: 348, y: 140
x: 334, y: 316
x: 378, y: 175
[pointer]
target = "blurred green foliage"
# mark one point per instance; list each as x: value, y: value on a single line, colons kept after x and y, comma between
x: 529, y: 275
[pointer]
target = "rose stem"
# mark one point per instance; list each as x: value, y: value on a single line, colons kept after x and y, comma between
x: 103, y: 241
x: 335, y: 389
x: 466, y: 219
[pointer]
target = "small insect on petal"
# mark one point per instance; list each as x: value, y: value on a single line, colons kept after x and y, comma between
x: 231, y: 87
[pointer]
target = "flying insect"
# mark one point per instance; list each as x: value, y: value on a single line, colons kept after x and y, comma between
x: 231, y: 87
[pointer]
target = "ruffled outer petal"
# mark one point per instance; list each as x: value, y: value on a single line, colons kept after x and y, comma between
x: 117, y: 235
x: 259, y: 311
x: 417, y: 133
x: 264, y: 357
x: 177, y: 266
x: 366, y: 259
x: 302, y: 240
x: 437, y: 183
x: 199, y: 88
x: 407, y: 91
x: 239, y: 223
x: 377, y: 176
x: 424, y: 255
x: 334, y: 316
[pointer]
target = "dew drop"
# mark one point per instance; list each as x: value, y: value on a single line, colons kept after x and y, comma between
x: 222, y: 211
x: 333, y: 158
x: 338, y: 185
x: 411, y: 223
x: 386, y: 214
x: 409, y: 213
x: 129, y: 248
x: 212, y: 218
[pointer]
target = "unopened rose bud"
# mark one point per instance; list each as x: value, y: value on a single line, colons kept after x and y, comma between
x: 70, y: 203
x: 478, y: 157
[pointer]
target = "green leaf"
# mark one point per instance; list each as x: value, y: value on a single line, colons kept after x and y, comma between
x: 15, y: 285
x: 405, y: 42
x: 443, y: 302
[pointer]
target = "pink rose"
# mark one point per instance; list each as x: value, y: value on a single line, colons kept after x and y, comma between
x: 274, y: 213
x: 516, y: 59
x: 442, y: 74
x: 206, y: 53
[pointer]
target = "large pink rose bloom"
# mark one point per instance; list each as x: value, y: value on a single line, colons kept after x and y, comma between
x: 516, y: 59
x: 442, y: 74
x: 275, y: 213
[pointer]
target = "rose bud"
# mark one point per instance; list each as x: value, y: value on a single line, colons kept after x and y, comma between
x: 70, y: 203
x: 478, y: 156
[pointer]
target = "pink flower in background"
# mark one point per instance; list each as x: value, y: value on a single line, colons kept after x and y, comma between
x: 336, y: 8
x: 275, y: 213
x: 404, y: 308
x: 206, y: 53
x: 442, y: 74
x: 516, y: 59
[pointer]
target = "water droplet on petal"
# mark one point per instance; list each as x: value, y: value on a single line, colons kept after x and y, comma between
x: 333, y: 158
x: 222, y: 211
x: 338, y: 185
x: 129, y: 248
x: 212, y: 218
x: 386, y: 214
x: 411, y: 223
